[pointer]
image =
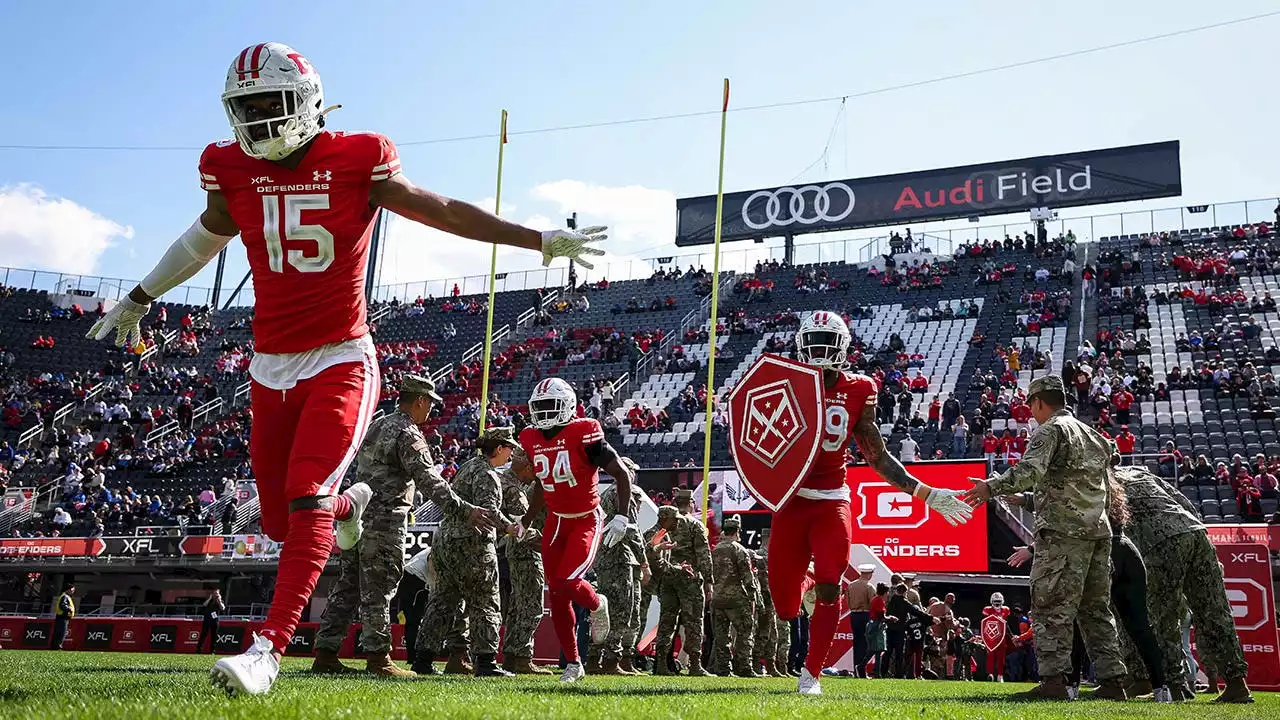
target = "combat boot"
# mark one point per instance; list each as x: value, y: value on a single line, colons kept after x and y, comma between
x: 774, y: 670
x: 1236, y: 691
x: 486, y: 666
x: 424, y: 664
x: 746, y: 671
x: 610, y: 667
x: 380, y: 664
x: 660, y: 664
x: 1139, y: 687
x: 1049, y: 689
x: 525, y: 666
x: 327, y: 663
x: 1182, y: 692
x: 1112, y: 689
x: 458, y: 664
x: 626, y: 667
x: 592, y: 665
x: 695, y: 666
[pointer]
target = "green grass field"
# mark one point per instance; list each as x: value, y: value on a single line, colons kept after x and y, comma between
x: 85, y: 686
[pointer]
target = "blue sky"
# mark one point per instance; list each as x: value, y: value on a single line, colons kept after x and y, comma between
x: 150, y: 74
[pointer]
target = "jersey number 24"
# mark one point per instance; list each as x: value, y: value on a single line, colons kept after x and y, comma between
x: 556, y: 471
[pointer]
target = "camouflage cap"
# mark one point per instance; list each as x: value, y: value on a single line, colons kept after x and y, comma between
x: 419, y: 385
x: 765, y: 532
x: 731, y: 525
x: 668, y: 512
x: 683, y: 495
x: 500, y: 436
x: 1045, y: 384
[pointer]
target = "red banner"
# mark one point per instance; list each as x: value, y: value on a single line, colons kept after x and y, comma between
x: 905, y: 533
x: 1268, y: 535
x: 51, y: 547
x: 1247, y: 574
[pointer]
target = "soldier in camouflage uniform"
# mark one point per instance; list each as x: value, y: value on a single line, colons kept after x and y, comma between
x: 466, y: 560
x: 765, y: 643
x: 1181, y: 563
x: 395, y: 456
x: 620, y: 571
x: 523, y: 610
x: 658, y: 554
x: 733, y: 608
x: 1069, y: 465
x: 686, y: 587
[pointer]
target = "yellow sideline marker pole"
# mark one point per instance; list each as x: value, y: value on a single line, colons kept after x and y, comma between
x: 715, y: 312
x: 493, y: 274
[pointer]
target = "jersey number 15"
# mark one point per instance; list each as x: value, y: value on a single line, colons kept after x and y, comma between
x: 557, y: 471
x: 291, y: 207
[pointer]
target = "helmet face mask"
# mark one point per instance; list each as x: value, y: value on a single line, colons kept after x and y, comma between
x: 823, y: 341
x: 553, y: 404
x: 274, y: 101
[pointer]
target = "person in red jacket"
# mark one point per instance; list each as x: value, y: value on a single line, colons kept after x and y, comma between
x: 990, y: 445
x: 1018, y: 446
x: 1125, y: 441
x: 994, y: 631
x: 1122, y: 399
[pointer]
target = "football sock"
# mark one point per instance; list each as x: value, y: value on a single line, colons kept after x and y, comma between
x: 302, y: 558
x: 822, y: 631
x: 341, y: 507
x: 564, y: 620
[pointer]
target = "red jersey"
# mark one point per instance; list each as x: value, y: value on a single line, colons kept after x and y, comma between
x: 306, y: 232
x: 570, y: 479
x: 842, y: 405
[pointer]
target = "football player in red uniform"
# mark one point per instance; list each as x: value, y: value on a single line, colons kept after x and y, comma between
x: 566, y: 453
x: 303, y: 200
x: 815, y: 524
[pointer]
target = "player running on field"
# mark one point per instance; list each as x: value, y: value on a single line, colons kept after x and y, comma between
x: 566, y: 454
x: 303, y: 200
x: 815, y: 525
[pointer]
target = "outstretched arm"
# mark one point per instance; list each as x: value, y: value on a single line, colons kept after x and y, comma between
x: 463, y: 219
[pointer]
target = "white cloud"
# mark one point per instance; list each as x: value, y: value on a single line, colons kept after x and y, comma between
x: 41, y: 231
x: 641, y: 220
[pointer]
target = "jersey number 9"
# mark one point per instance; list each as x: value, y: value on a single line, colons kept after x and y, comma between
x: 836, y: 431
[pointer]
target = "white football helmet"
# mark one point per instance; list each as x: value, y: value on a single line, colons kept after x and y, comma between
x: 997, y: 600
x: 553, y: 404
x: 823, y: 340
x: 278, y: 70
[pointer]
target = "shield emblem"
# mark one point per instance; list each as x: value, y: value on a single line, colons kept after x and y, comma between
x: 775, y: 427
x: 993, y: 629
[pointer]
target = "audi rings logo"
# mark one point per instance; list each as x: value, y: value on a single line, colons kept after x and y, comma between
x: 806, y: 205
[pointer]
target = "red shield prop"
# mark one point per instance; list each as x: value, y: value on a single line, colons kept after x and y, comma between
x: 993, y: 629
x: 775, y: 427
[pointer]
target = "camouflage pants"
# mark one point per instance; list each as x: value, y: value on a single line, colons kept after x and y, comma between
x: 765, y: 643
x: 465, y: 568
x: 733, y: 631
x: 1186, y: 565
x: 524, y: 605
x: 367, y: 578
x: 784, y: 641
x: 680, y: 596
x: 621, y: 584
x: 1071, y: 583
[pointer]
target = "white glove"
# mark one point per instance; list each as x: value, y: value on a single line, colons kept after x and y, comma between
x: 948, y: 504
x: 124, y: 318
x: 572, y: 244
x: 614, y: 531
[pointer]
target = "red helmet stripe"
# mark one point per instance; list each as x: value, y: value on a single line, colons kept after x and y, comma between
x: 240, y: 62
x: 253, y: 64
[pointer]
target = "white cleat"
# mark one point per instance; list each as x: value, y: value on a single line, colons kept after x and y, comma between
x: 350, y: 530
x: 809, y: 685
x: 573, y: 672
x: 600, y: 621
x: 250, y: 673
x: 1162, y: 695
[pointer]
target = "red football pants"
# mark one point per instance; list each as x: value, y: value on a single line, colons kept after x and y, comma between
x: 304, y: 438
x: 568, y: 551
x: 995, y: 660
x: 807, y: 529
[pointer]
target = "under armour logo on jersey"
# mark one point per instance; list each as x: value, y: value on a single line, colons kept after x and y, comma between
x: 261, y: 180
x: 325, y: 175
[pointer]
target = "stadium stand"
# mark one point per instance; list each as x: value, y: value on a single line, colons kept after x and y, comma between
x: 98, y: 441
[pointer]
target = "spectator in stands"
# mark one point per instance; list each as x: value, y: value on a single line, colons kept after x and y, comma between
x: 1170, y: 460
x: 909, y: 450
x: 959, y: 437
x: 935, y: 414
x: 950, y: 411
x: 1125, y: 442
